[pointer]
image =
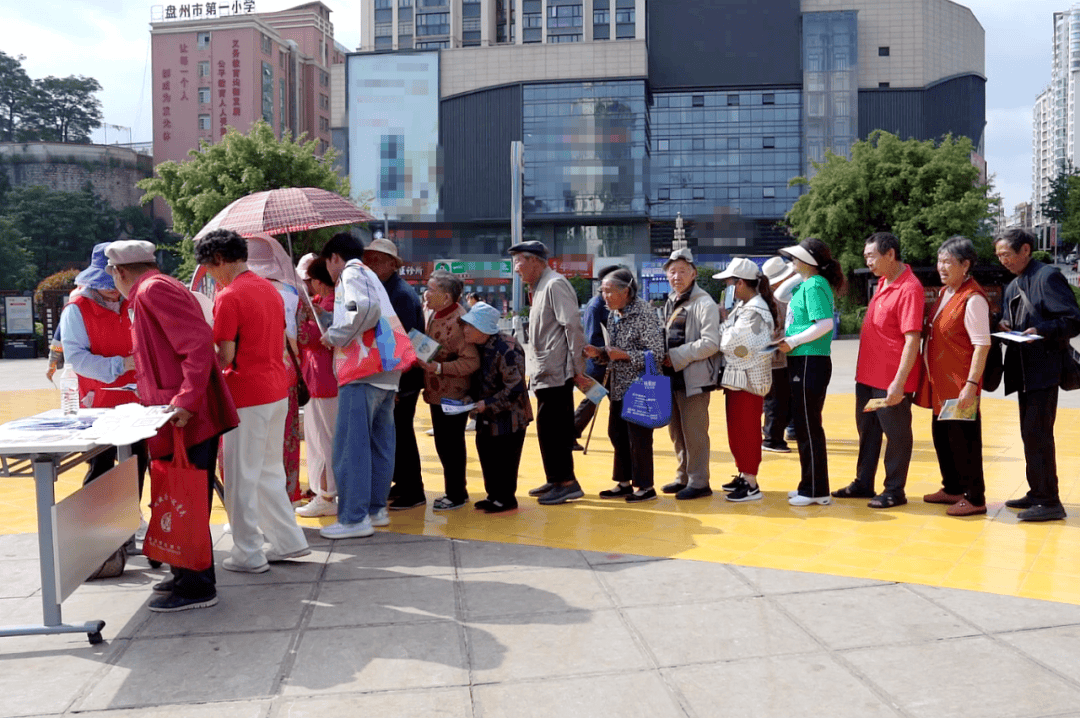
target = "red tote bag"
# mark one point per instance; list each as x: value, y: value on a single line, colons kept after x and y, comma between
x: 178, y: 533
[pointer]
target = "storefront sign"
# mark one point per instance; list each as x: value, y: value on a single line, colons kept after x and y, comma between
x: 195, y: 10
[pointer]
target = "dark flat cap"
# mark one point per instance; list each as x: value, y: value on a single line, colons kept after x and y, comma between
x: 531, y: 247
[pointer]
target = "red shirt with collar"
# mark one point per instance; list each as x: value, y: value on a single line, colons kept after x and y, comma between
x: 895, y: 309
x: 251, y: 313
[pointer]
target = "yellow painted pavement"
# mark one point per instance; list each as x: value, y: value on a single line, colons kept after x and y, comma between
x: 916, y: 543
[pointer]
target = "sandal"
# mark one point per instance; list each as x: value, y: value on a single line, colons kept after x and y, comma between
x: 850, y: 492
x: 445, y: 503
x: 886, y: 501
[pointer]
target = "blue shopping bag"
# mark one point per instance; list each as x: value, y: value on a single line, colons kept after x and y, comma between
x: 648, y: 400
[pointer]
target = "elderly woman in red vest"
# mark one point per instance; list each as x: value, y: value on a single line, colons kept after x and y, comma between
x: 957, y: 346
x: 95, y: 330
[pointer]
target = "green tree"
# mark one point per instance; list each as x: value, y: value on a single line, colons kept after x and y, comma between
x: 1070, y: 218
x: 921, y: 191
x: 15, y: 90
x: 62, y: 109
x: 17, y: 269
x: 1054, y: 207
x: 61, y: 228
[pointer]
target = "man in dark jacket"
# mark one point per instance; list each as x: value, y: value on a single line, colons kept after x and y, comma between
x: 407, y: 490
x: 1038, y: 301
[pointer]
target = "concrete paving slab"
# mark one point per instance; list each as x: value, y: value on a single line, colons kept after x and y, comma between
x: 546, y: 645
x: 378, y: 658
x: 20, y: 546
x: 1055, y: 648
x: 964, y: 678
x: 872, y: 616
x: 544, y: 590
x: 669, y: 583
x: 626, y: 695
x: 999, y: 614
x: 601, y: 558
x: 259, y: 608
x: 479, y: 556
x: 425, y: 703
x: 123, y: 611
x: 45, y: 681
x: 230, y: 709
x: 22, y: 578
x: 191, y: 669
x: 771, y: 581
x: 725, y: 630
x: 778, y: 687
x: 304, y: 570
x: 351, y: 561
x: 392, y: 600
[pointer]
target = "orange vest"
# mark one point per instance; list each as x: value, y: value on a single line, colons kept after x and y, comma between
x: 110, y: 336
x: 949, y: 348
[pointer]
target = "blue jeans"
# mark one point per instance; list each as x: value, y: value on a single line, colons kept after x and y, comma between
x: 364, y: 444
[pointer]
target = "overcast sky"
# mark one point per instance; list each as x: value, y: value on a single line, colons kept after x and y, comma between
x: 110, y: 41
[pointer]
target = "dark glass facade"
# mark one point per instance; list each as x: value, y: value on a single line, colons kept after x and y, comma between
x: 725, y: 152
x: 586, y: 145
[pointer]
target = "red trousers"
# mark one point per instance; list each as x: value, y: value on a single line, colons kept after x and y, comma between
x: 743, y: 411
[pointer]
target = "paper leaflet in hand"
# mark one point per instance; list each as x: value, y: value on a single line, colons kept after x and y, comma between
x: 1018, y: 337
x: 950, y: 411
x: 596, y: 392
x: 424, y: 346
x: 451, y: 407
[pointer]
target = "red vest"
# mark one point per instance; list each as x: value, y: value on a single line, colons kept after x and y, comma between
x: 949, y: 348
x: 110, y: 336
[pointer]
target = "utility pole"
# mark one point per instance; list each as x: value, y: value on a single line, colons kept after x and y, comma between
x: 517, y: 179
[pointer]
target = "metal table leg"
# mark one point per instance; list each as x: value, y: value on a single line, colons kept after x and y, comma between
x: 44, y: 483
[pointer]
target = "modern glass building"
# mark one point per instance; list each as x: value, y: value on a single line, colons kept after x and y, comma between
x: 633, y: 114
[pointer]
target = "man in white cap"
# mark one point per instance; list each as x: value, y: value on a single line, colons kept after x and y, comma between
x: 407, y: 489
x: 692, y: 323
x: 175, y: 364
x: 780, y: 274
x: 556, y: 342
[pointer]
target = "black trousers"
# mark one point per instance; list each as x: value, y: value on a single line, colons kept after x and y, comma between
x: 408, y: 481
x: 1038, y: 412
x: 189, y: 583
x: 450, y: 446
x: 809, y: 378
x: 893, y: 422
x: 959, y: 453
x: 555, y: 431
x: 633, y: 448
x: 107, y: 459
x: 778, y: 407
x: 500, y: 458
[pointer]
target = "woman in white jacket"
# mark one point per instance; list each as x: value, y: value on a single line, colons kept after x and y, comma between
x: 745, y: 339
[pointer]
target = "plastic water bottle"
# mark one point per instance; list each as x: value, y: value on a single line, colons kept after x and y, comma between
x: 69, y: 391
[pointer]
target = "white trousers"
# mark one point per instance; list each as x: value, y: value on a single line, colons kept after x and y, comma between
x: 255, y: 496
x: 320, y: 417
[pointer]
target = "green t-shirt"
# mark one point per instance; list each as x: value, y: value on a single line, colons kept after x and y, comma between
x: 813, y: 300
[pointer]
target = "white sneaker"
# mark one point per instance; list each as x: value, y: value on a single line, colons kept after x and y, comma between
x: 471, y: 426
x: 226, y: 529
x: 273, y: 556
x: 430, y: 432
x: 318, y: 506
x: 143, y: 527
x: 792, y: 494
x: 798, y: 500
x: 338, y: 530
x: 380, y: 517
x: 230, y: 565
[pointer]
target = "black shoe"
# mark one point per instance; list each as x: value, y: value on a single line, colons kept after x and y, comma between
x: 673, y: 488
x: 400, y: 503
x: 562, y: 493
x: 445, y: 503
x: 165, y: 586
x: 173, y: 603
x: 853, y: 492
x: 578, y: 447
x: 618, y: 492
x: 779, y: 448
x: 746, y: 492
x: 647, y: 495
x: 1024, y: 502
x: 541, y: 489
x: 497, y: 507
x: 692, y: 493
x: 735, y: 484
x: 789, y: 435
x: 483, y: 504
x: 1042, y: 512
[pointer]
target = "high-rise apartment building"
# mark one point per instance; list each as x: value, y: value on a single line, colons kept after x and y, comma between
x: 213, y: 71
x: 632, y: 114
x: 1044, y: 166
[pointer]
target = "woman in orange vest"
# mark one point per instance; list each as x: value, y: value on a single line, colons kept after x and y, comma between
x: 95, y: 330
x: 957, y: 345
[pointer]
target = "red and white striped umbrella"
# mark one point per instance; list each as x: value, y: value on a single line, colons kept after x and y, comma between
x: 281, y: 211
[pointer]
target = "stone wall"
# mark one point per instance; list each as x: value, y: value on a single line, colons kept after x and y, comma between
x: 112, y: 171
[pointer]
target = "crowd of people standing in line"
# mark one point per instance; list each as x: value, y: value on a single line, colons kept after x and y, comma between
x: 233, y: 378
